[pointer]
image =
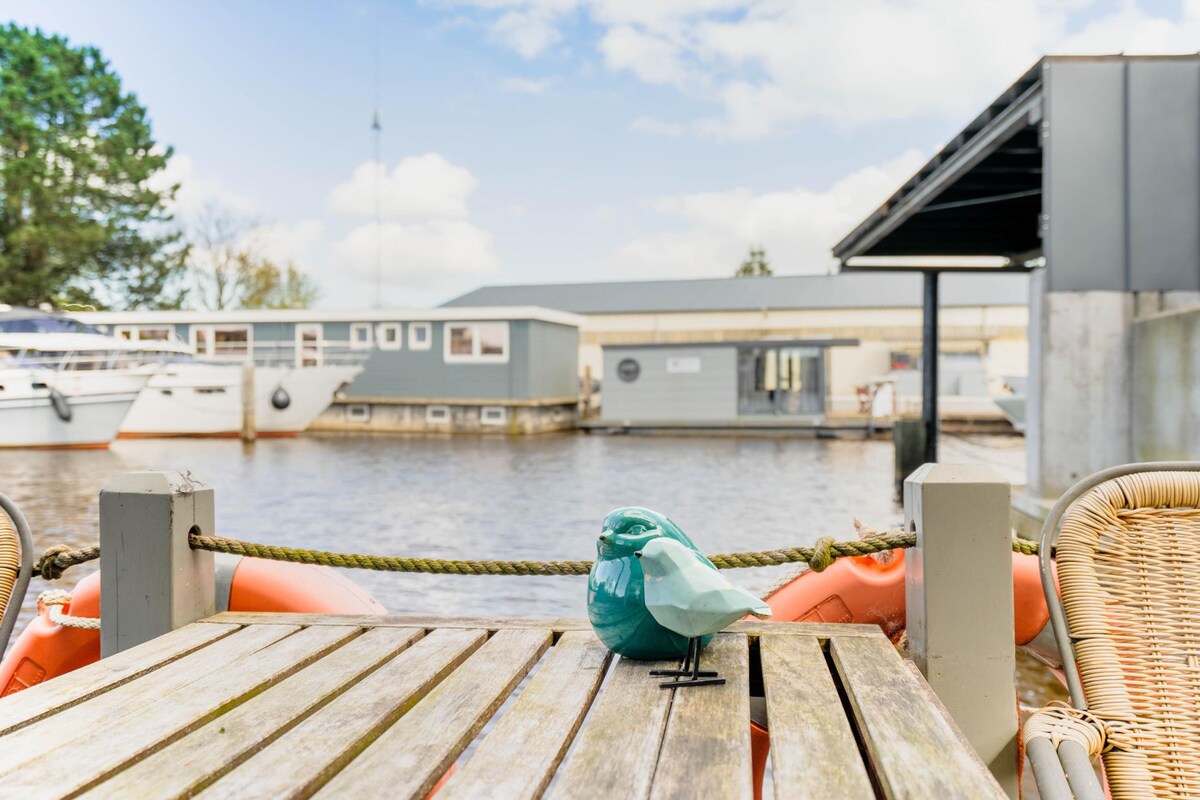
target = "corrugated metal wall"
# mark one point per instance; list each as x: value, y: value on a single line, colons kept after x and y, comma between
x: 710, y: 393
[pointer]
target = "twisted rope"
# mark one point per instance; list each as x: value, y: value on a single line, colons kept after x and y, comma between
x: 824, y: 552
x: 53, y: 600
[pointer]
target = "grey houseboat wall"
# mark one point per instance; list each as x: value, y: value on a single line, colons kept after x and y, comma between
x: 410, y: 382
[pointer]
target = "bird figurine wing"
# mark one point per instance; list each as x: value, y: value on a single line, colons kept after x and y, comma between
x: 686, y: 596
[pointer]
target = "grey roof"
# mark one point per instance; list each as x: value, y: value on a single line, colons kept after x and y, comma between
x: 845, y: 290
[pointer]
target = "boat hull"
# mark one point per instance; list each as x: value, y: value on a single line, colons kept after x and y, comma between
x: 205, y: 400
x: 34, y: 422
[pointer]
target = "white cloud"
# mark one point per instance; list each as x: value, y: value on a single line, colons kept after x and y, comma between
x: 797, y: 227
x: 529, y: 33
x: 287, y: 243
x: 419, y: 187
x: 652, y: 58
x: 658, y: 126
x: 417, y: 254
x: 526, y: 85
x: 195, y: 192
x: 769, y: 64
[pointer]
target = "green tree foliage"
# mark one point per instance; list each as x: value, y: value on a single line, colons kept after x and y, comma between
x: 229, y: 272
x: 79, y: 222
x: 755, y: 265
x: 266, y: 285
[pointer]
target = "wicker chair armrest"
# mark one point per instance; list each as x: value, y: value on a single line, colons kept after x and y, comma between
x: 1061, y: 743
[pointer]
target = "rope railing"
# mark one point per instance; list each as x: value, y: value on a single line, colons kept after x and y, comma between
x: 56, y: 560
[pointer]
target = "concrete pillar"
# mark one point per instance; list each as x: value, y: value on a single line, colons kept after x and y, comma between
x: 151, y: 581
x: 1080, y: 402
x: 959, y: 595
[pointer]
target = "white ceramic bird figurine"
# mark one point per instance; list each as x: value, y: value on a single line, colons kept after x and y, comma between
x: 687, y: 596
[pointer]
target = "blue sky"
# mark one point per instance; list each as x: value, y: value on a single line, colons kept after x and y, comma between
x: 553, y: 140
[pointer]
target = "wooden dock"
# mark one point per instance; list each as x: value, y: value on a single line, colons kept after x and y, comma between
x: 286, y: 705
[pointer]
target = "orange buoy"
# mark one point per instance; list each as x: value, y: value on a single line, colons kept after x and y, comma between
x: 46, y: 649
x: 870, y: 591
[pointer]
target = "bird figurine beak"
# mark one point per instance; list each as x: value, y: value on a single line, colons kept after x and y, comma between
x: 638, y: 554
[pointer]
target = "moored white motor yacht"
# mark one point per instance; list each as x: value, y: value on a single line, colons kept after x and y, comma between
x: 79, y: 403
x: 183, y: 396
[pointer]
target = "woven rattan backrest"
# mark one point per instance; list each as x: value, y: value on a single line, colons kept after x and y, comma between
x: 1129, y: 572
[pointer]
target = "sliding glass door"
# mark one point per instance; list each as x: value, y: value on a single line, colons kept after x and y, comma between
x: 781, y: 381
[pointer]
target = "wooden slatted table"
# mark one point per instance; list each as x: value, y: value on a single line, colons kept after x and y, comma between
x: 291, y: 705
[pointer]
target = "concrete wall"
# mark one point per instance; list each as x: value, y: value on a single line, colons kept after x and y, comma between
x: 1166, y: 387
x: 707, y: 394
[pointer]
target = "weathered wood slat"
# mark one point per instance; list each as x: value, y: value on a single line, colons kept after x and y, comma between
x: 706, y: 746
x: 51, y: 697
x: 410, y: 757
x: 821, y: 630
x: 305, y: 757
x: 632, y: 703
x: 813, y: 751
x: 518, y: 756
x: 163, y: 719
x: 80, y: 721
x: 197, y: 759
x: 913, y: 747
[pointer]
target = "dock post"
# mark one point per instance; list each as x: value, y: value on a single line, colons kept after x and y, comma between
x: 151, y: 580
x: 249, y: 428
x: 959, y: 595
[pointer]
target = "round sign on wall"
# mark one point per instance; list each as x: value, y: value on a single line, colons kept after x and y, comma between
x: 628, y: 370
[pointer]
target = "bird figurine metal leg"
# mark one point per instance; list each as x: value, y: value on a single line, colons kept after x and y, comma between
x: 697, y: 678
x: 693, y: 647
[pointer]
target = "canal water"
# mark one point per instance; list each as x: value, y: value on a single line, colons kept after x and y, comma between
x: 495, y: 498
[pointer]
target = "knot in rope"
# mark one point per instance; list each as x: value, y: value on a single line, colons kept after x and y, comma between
x: 822, y: 554
x: 56, y: 559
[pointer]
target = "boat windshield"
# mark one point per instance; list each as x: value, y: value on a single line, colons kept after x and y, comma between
x: 42, y: 323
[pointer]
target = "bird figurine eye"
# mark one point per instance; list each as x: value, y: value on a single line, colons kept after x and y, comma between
x: 638, y: 554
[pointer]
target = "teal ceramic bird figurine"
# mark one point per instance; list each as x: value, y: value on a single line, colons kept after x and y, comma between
x: 615, y: 605
x: 691, y: 599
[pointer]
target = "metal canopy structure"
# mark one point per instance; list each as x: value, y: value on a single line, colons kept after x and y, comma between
x: 979, y: 196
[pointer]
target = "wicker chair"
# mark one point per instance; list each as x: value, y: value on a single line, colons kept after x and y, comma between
x: 1128, y: 562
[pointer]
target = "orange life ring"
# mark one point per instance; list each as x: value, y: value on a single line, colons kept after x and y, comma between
x: 46, y: 650
x: 868, y: 590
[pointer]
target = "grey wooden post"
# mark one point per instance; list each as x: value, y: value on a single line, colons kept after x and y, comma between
x: 151, y: 581
x: 249, y: 426
x: 959, y: 595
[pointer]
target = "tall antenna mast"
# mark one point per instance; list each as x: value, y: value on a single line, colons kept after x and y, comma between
x: 377, y: 134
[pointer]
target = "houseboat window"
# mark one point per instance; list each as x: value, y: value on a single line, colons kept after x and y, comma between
x: 309, y: 344
x: 231, y: 342
x: 222, y: 341
x: 437, y: 414
x: 418, y: 336
x: 157, y: 333
x: 389, y: 336
x: 476, y: 342
x: 462, y: 340
x: 360, y: 336
x: 493, y: 415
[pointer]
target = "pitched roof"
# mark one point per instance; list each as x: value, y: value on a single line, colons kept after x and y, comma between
x: 845, y: 290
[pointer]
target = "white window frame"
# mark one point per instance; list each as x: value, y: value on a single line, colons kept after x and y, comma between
x: 475, y: 356
x: 358, y: 412
x: 300, y: 329
x: 499, y: 415
x: 135, y: 332
x: 384, y: 344
x: 437, y: 415
x: 413, y: 343
x: 210, y: 342
x: 355, y: 344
